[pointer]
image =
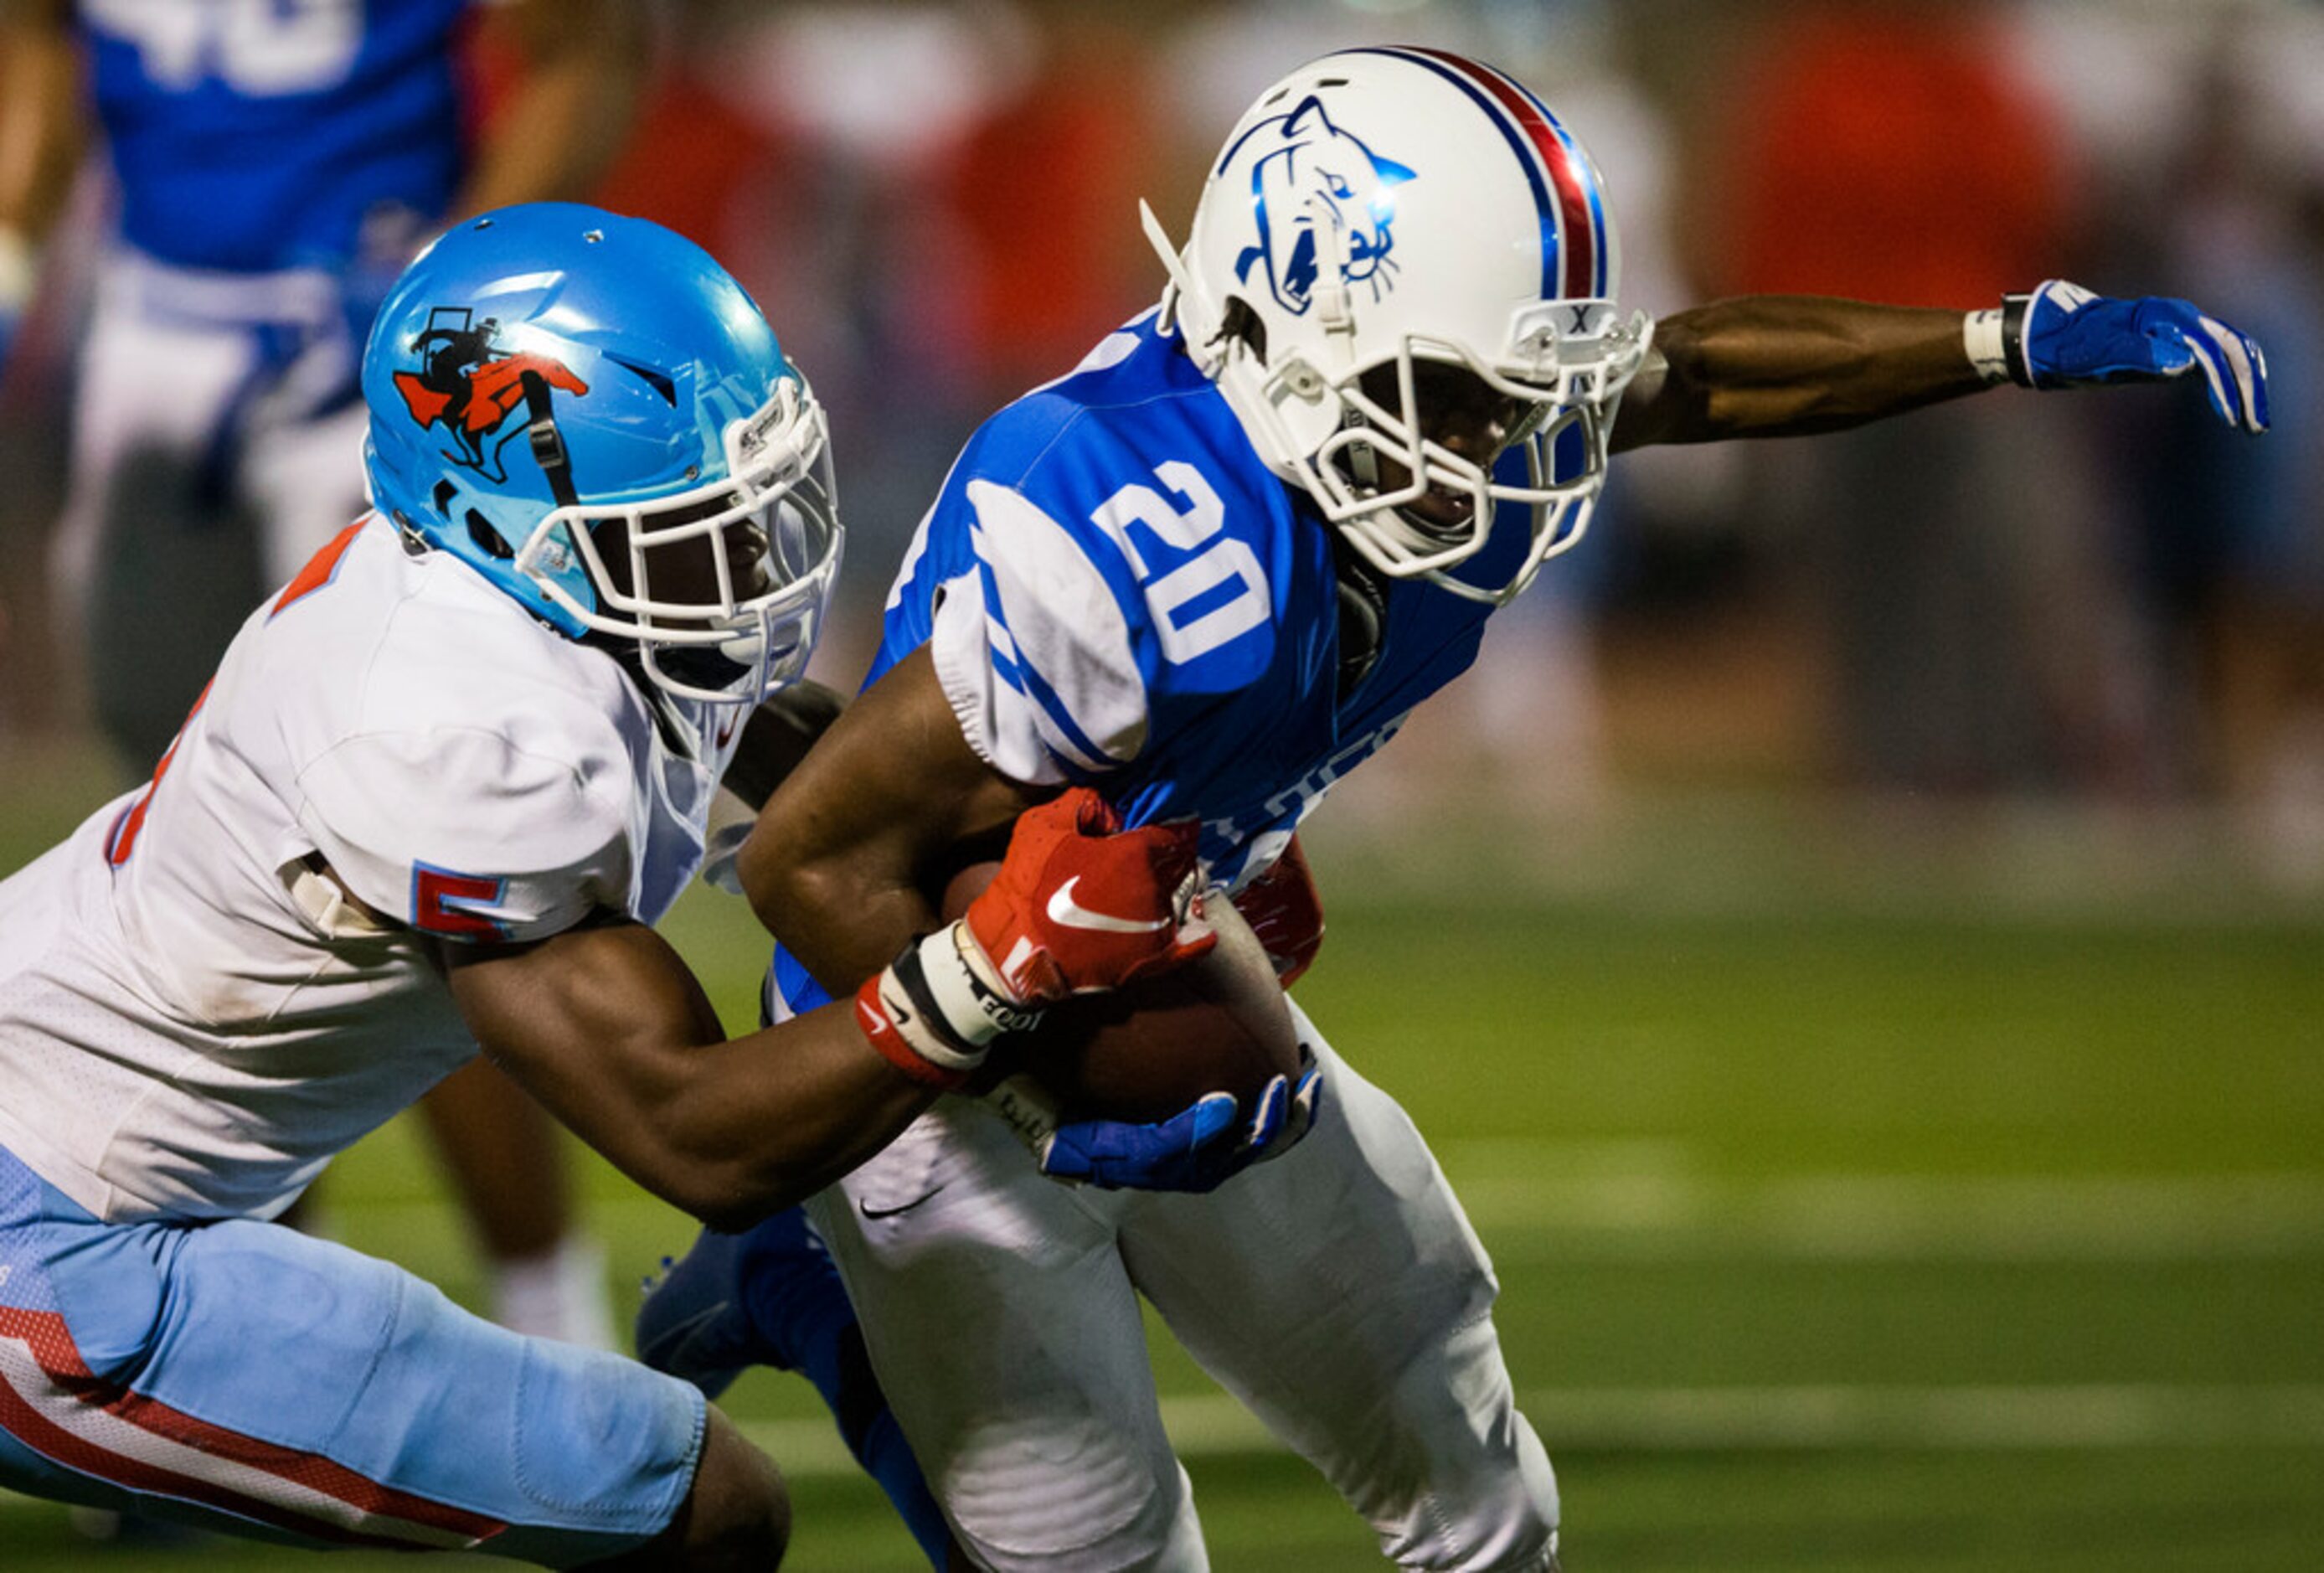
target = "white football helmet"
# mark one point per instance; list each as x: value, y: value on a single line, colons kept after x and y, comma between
x: 1380, y: 210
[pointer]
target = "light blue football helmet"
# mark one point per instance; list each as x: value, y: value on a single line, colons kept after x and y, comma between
x: 591, y: 412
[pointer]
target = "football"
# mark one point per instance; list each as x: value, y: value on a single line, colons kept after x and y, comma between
x: 1220, y: 1023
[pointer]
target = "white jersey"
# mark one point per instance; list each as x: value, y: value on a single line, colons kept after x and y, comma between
x: 192, y: 1020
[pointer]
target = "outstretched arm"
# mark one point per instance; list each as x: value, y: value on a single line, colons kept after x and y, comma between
x: 1789, y: 365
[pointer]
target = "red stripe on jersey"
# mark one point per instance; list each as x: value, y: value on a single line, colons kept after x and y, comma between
x: 121, y: 840
x: 320, y: 570
x: 1578, y: 236
x: 45, y: 1334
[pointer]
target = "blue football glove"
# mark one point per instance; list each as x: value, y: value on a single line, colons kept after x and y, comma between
x: 1197, y: 1149
x: 2062, y: 335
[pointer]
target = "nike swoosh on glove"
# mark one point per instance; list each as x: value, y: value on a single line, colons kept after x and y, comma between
x: 1081, y: 904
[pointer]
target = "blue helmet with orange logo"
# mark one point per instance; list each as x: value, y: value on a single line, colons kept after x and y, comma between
x: 591, y: 412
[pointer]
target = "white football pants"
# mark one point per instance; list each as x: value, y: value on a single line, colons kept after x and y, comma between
x: 1337, y: 1292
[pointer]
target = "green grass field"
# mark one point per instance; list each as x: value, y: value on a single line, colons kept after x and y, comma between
x: 1898, y: 1220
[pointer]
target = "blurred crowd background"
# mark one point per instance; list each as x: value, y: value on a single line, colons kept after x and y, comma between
x: 2102, y: 599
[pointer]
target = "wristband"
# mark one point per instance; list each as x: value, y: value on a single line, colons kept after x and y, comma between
x: 934, y: 1011
x: 1995, y: 340
x: 2015, y: 311
x: 898, y: 1040
x: 1027, y: 1108
x: 967, y: 990
x: 1981, y: 337
x: 900, y: 1030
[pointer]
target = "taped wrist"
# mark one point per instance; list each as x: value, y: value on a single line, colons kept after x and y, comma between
x: 936, y: 1009
x: 1995, y: 340
x: 1028, y: 1109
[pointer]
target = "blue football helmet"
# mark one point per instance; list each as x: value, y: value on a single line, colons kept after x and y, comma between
x: 591, y: 412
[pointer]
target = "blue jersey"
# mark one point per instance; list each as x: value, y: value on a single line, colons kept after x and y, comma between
x: 1118, y: 593
x: 251, y: 138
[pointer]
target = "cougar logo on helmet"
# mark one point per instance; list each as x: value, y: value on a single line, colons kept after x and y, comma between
x: 1306, y: 172
x: 472, y: 388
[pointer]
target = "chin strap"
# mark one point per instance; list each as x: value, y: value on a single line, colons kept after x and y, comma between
x: 547, y: 442
x: 1363, y: 613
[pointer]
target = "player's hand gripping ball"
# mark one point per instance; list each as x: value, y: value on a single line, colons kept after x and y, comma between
x: 1200, y: 1148
x: 1151, y: 1048
x: 1079, y: 905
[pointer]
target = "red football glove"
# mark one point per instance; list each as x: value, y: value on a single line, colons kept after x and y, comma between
x: 1081, y: 904
x: 1285, y: 911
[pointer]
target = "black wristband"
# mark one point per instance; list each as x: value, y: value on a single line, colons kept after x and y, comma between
x: 2014, y: 311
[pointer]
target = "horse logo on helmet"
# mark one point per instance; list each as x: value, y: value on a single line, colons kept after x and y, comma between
x: 471, y: 387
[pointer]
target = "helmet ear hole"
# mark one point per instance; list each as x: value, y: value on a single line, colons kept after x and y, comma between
x: 1241, y: 320
x: 489, y: 541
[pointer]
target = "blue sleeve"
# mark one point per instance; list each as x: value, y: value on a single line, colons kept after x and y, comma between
x: 1105, y: 589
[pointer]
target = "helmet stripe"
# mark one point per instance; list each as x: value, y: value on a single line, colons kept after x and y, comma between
x: 1577, y: 180
x: 1565, y: 191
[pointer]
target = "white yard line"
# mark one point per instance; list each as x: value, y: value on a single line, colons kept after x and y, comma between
x: 2100, y: 1416
x: 1548, y: 1202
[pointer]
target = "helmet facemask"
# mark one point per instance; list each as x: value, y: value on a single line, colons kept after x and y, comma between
x: 721, y: 587
x: 1408, y: 474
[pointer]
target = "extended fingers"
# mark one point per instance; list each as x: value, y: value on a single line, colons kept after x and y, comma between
x: 2235, y: 369
x: 1267, y: 1121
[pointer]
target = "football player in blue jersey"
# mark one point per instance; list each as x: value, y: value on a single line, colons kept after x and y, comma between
x: 275, y: 167
x: 1209, y: 571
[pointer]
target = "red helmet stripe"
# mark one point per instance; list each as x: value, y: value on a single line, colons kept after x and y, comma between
x: 1581, y: 274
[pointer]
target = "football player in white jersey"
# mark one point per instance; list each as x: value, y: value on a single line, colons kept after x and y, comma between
x: 1209, y: 570
x: 272, y: 168
x: 437, y: 790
